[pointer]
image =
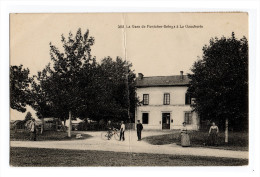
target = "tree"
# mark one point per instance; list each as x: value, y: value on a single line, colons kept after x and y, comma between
x: 40, y: 99
x: 75, y: 84
x: 19, y: 87
x: 113, y: 91
x: 59, y: 89
x: 219, y: 82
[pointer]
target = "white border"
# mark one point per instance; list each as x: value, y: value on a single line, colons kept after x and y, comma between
x: 252, y: 7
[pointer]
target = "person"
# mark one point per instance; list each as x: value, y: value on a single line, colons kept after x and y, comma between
x: 213, y: 134
x: 122, y: 131
x: 139, y: 128
x: 185, y: 138
x: 109, y: 128
x: 33, y: 130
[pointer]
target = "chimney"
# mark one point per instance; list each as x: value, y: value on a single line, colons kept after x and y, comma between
x: 181, y: 72
x: 140, y: 76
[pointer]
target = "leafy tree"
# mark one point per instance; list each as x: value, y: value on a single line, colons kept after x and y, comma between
x: 76, y: 83
x: 71, y: 75
x: 114, y: 91
x: 41, y: 100
x: 19, y: 87
x: 219, y: 82
x: 59, y: 88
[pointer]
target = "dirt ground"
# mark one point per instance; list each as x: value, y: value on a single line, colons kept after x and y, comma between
x: 130, y: 145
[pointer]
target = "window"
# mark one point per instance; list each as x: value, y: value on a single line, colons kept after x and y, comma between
x: 166, y: 99
x: 145, y: 99
x: 188, y: 117
x: 145, y: 118
x: 187, y: 98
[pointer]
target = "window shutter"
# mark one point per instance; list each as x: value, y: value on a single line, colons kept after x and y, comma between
x: 187, y: 98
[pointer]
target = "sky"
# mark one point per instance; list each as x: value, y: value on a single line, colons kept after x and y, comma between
x: 162, y: 51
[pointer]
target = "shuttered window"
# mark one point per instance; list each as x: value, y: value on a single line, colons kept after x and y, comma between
x: 166, y: 99
x: 187, y: 98
x: 145, y: 99
x: 188, y: 118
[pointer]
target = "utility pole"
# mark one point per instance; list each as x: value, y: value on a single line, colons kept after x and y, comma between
x: 127, y: 87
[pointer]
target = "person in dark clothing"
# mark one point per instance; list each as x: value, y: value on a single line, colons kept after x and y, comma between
x: 109, y: 128
x: 139, y: 128
x: 213, y: 135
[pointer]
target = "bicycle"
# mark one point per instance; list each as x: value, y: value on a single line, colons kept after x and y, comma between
x: 108, y: 135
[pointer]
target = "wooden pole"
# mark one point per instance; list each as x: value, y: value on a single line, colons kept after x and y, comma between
x: 226, y: 131
x: 42, y: 127
x: 128, y: 99
x: 69, y: 128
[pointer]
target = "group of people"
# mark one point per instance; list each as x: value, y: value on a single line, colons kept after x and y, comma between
x: 212, y: 135
x: 185, y: 138
x: 139, y: 128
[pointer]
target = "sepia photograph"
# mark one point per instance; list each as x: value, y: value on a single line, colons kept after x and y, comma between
x: 135, y: 89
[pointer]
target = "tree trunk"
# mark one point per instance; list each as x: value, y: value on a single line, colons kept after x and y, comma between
x: 69, y: 129
x: 226, y: 131
x: 56, y: 124
x: 42, y: 127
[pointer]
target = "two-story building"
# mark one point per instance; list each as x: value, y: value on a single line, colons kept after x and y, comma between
x: 165, y: 102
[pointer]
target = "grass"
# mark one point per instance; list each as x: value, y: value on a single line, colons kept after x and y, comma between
x: 46, y: 136
x: 237, y: 140
x: 35, y: 157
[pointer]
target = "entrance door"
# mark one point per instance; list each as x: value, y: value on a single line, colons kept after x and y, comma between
x: 166, y: 120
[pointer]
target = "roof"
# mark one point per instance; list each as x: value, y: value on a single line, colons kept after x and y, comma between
x: 157, y: 81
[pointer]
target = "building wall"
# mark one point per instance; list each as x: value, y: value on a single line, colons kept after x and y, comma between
x: 177, y: 107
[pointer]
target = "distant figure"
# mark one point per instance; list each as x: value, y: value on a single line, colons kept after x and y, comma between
x: 33, y: 130
x: 122, y: 131
x: 139, y: 128
x: 213, y: 134
x: 109, y: 127
x: 185, y: 138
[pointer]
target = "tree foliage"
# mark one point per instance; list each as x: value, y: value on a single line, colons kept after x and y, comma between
x: 19, y: 87
x: 58, y: 88
x: 114, y: 93
x: 75, y: 82
x: 219, y: 82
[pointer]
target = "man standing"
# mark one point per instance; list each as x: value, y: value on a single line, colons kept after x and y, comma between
x: 139, y: 128
x: 33, y: 130
x: 122, y: 131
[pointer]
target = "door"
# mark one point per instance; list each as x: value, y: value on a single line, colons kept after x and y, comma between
x: 166, y: 117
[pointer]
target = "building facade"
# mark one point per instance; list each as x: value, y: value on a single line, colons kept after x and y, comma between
x: 165, y: 103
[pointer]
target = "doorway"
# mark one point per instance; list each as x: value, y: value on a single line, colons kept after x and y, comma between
x: 166, y: 117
